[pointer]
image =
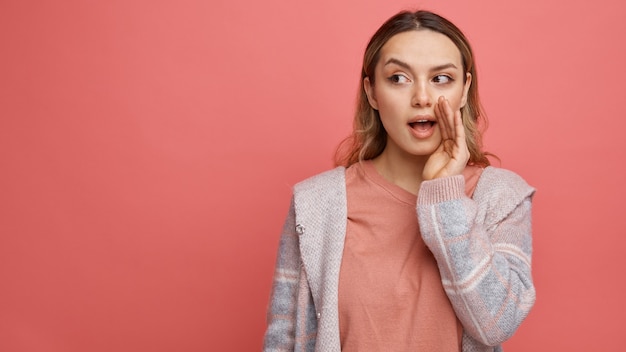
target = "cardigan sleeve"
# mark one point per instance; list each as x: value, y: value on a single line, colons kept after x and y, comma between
x: 483, y: 249
x: 281, y: 314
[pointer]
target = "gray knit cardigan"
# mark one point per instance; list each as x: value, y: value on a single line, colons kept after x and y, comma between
x: 482, y: 246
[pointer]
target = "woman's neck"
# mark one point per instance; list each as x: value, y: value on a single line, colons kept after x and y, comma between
x: 402, y: 169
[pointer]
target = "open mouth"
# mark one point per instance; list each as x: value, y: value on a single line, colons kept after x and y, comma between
x: 422, y: 125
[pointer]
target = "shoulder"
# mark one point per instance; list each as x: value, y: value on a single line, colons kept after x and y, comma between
x: 494, y: 180
x: 499, y: 191
x: 331, y: 179
x: 320, y: 201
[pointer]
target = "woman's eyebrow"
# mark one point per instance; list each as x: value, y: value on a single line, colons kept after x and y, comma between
x: 398, y: 62
x: 443, y: 67
x: 408, y: 67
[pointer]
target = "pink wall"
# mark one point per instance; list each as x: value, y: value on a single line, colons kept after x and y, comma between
x: 147, y: 149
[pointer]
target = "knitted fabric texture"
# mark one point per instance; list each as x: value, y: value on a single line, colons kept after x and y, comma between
x: 482, y: 244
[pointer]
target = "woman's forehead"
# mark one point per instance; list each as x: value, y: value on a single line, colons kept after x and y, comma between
x: 421, y: 47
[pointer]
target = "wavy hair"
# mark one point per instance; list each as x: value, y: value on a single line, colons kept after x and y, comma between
x: 368, y: 138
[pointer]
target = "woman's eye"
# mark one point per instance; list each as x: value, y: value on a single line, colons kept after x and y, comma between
x: 398, y: 79
x: 442, y: 79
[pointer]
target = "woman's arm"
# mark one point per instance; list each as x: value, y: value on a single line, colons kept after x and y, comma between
x: 281, y: 315
x: 483, y: 252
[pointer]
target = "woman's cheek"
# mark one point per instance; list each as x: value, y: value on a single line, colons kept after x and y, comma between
x: 455, y: 101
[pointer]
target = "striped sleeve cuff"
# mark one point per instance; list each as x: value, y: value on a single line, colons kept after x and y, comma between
x: 441, y: 190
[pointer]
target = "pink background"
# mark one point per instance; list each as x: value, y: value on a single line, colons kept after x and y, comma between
x: 147, y: 150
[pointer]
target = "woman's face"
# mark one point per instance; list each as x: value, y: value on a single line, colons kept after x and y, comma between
x: 414, y: 69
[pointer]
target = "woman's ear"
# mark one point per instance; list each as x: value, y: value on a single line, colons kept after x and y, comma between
x: 468, y: 83
x: 369, y: 90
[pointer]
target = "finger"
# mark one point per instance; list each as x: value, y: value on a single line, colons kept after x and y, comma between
x: 448, y: 114
x: 450, y: 119
x: 440, y: 113
x: 459, y: 128
x: 461, y: 143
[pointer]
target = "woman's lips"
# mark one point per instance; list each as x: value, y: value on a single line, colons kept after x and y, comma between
x: 422, y: 128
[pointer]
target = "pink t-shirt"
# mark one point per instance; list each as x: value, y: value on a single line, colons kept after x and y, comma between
x: 390, y: 292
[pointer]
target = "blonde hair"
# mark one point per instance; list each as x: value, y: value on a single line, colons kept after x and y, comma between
x: 368, y: 138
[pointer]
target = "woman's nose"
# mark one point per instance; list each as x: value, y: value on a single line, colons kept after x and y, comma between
x: 421, y: 96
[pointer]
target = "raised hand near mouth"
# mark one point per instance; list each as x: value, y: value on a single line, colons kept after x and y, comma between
x: 451, y: 157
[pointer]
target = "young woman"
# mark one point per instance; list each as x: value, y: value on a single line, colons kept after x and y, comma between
x: 414, y: 243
